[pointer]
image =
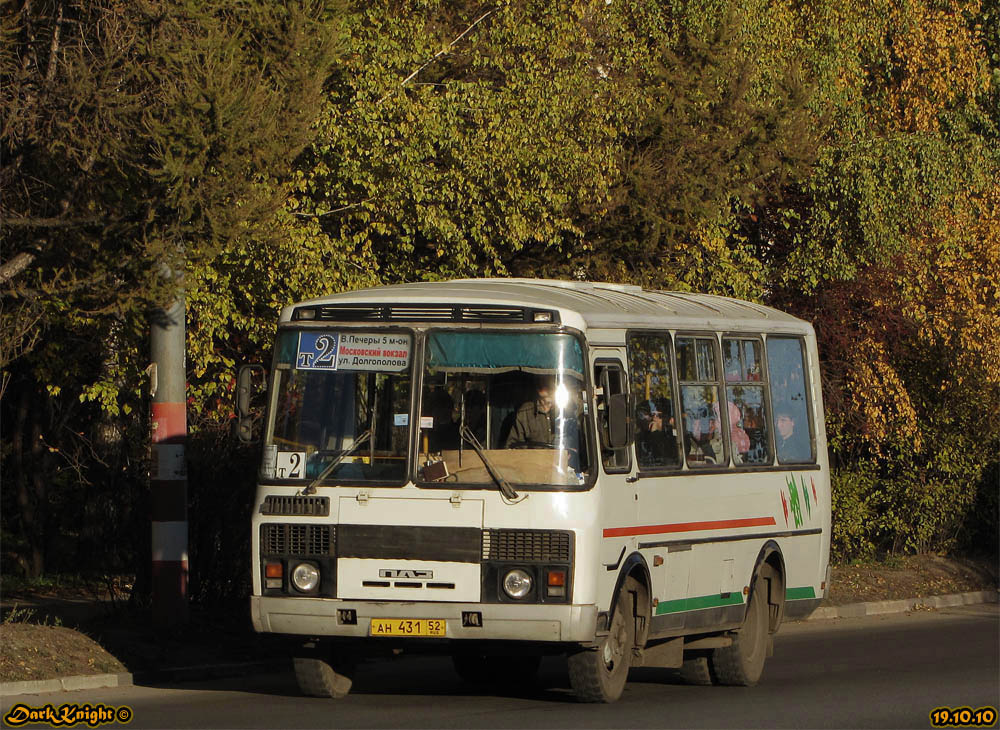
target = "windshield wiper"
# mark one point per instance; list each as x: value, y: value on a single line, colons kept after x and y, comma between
x: 365, y: 436
x: 505, y: 489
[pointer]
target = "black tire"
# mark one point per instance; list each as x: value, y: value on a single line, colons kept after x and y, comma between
x: 600, y: 676
x: 743, y: 662
x: 696, y: 671
x: 496, y: 671
x: 318, y: 678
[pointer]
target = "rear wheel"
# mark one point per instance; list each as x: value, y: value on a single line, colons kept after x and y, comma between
x: 325, y: 677
x: 743, y: 662
x: 696, y: 671
x: 600, y: 676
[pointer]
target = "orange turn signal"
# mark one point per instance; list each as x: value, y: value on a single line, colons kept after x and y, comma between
x: 557, y: 578
x: 272, y: 570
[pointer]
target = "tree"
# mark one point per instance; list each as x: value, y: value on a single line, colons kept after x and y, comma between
x: 710, y: 147
x: 136, y: 137
x: 891, y: 249
x: 463, y: 140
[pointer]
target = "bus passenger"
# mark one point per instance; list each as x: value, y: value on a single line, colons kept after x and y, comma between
x: 705, y: 427
x: 533, y: 423
x: 792, y: 444
x: 740, y: 438
x: 440, y: 406
x: 656, y: 445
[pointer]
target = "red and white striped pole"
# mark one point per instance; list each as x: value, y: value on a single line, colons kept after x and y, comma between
x: 168, y: 473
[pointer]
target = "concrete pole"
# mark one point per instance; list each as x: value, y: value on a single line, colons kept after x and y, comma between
x: 168, y: 473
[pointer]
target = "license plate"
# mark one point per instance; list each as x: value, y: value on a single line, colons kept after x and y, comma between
x: 408, y: 627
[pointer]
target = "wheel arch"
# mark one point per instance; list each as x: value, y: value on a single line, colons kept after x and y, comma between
x: 770, y: 565
x: 634, y: 566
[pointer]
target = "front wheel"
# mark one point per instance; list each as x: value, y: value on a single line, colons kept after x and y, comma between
x: 600, y: 676
x: 743, y: 662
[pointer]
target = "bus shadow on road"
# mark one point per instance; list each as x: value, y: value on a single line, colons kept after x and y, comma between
x: 411, y: 676
x: 435, y: 676
x: 404, y: 676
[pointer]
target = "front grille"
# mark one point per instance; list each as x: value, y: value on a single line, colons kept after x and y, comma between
x: 310, y: 540
x: 540, y: 546
x: 423, y: 313
x: 292, y: 505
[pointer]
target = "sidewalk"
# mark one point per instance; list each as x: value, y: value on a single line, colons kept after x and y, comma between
x: 232, y: 669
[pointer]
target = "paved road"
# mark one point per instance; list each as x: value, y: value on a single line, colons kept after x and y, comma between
x: 877, y: 672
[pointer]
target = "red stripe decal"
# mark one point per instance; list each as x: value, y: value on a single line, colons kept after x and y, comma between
x: 688, y: 527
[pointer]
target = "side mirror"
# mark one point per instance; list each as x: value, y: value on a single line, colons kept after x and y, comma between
x: 619, y: 424
x: 249, y: 383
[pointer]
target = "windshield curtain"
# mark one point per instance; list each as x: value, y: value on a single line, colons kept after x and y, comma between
x: 518, y: 395
x: 330, y: 389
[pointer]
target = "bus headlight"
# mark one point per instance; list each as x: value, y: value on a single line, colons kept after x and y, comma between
x: 305, y: 577
x: 517, y: 583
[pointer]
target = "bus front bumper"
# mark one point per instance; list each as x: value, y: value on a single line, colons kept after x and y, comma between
x: 500, y: 621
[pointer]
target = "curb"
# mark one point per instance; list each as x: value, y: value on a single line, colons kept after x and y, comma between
x: 65, y: 684
x: 126, y: 679
x: 875, y: 608
x: 218, y: 671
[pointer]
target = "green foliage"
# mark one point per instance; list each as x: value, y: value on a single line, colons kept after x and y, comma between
x: 461, y: 141
x: 144, y: 138
x: 141, y: 143
x: 910, y: 508
x: 835, y: 159
x: 710, y: 148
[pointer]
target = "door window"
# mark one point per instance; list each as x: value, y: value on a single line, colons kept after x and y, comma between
x: 609, y: 378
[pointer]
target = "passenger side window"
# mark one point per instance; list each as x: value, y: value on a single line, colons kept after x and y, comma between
x: 698, y: 375
x: 656, y: 442
x: 748, y: 423
x: 793, y: 437
x: 609, y: 380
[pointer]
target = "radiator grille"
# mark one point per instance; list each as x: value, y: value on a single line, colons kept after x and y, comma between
x: 292, y: 505
x: 313, y: 540
x: 539, y: 546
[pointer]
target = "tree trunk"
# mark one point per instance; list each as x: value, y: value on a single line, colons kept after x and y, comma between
x: 29, y: 484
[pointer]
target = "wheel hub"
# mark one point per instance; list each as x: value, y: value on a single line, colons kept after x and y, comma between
x: 614, y: 644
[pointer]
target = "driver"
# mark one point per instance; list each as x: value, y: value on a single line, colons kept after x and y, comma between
x: 533, y: 422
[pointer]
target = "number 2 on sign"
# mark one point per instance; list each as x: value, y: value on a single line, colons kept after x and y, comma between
x: 290, y: 464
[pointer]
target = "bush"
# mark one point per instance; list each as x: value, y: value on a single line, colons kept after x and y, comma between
x: 904, y: 507
x: 853, y: 514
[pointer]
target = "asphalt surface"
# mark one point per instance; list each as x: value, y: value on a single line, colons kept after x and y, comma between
x: 883, y: 671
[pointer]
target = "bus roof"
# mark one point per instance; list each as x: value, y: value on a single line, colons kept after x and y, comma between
x: 581, y: 304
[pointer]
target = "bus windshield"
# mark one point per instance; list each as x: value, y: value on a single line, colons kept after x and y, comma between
x: 340, y: 405
x: 516, y: 398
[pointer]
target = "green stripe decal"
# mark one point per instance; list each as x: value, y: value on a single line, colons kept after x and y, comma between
x: 795, y: 594
x: 698, y: 602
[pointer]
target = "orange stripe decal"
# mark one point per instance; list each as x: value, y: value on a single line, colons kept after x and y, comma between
x: 688, y: 527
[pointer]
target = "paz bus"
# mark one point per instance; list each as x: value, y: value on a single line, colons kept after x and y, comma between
x: 504, y: 469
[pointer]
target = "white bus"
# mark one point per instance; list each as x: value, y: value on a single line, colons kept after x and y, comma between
x: 503, y: 469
